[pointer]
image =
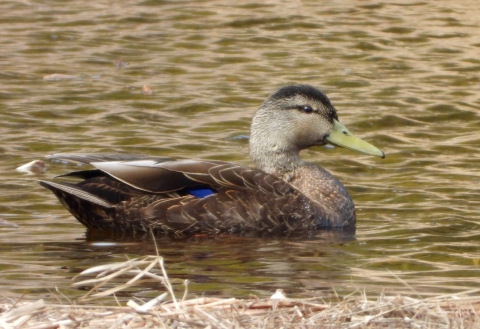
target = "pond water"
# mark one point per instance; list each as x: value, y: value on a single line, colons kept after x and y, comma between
x: 403, y: 75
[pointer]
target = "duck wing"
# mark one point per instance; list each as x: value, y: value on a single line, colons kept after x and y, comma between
x: 158, y: 194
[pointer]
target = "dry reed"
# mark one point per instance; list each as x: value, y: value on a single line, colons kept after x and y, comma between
x: 460, y: 310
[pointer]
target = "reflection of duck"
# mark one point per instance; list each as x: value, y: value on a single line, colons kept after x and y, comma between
x: 285, y: 194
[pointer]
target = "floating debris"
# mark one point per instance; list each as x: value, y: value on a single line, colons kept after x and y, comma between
x: 120, y: 63
x: 146, y: 90
x: 59, y: 76
x: 35, y: 167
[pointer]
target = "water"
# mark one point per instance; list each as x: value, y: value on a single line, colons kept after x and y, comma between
x: 402, y: 75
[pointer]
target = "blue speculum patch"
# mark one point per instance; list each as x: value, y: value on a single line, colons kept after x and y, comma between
x: 200, y: 192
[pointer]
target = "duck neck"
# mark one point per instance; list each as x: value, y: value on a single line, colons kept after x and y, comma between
x: 275, y: 158
x: 273, y: 144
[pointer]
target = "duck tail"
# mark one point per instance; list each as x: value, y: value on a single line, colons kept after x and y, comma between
x: 89, y: 209
x: 73, y: 190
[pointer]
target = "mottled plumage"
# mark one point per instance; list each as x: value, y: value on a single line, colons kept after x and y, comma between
x: 135, y: 194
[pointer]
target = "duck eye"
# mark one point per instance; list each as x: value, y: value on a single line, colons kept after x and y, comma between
x: 307, y: 109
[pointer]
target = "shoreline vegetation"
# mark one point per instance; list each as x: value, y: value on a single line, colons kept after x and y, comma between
x: 459, y: 310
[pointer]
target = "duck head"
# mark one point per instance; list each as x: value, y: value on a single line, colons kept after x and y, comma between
x: 294, y: 118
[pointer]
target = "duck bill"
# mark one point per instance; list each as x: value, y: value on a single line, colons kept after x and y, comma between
x: 340, y: 136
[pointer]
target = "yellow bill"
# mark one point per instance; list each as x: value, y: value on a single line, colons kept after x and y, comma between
x: 340, y: 136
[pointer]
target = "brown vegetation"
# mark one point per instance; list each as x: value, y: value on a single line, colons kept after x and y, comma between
x: 460, y: 310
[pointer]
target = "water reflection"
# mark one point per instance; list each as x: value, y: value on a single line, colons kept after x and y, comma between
x: 241, y: 266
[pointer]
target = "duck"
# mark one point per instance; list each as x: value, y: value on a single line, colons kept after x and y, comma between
x: 282, y: 195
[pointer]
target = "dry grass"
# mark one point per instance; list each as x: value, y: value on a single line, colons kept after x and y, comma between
x: 354, y: 311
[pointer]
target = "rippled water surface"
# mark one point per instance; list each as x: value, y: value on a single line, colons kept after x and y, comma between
x: 404, y: 75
